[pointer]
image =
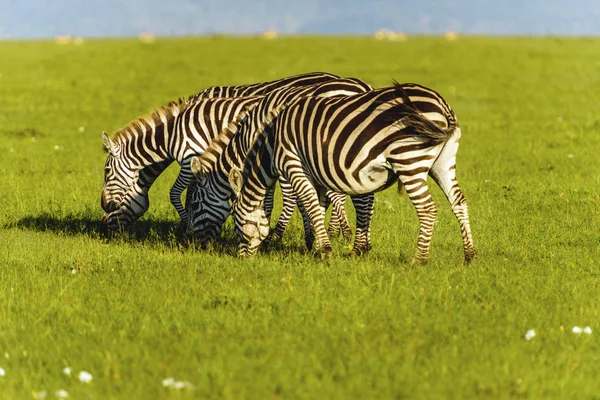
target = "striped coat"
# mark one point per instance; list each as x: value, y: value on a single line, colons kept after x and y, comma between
x: 356, y: 145
x: 140, y: 152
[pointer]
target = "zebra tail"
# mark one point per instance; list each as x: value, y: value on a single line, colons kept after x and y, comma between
x: 421, y: 125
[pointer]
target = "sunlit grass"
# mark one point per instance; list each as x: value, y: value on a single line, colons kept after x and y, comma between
x: 143, y: 309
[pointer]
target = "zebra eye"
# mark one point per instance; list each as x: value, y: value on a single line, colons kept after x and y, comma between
x: 106, y: 170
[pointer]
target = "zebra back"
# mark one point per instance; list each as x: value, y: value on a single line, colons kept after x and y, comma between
x: 259, y: 89
x: 348, y: 130
x: 222, y: 153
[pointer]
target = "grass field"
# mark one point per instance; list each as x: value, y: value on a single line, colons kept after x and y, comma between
x: 141, y: 308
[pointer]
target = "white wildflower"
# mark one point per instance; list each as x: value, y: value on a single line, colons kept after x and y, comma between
x: 85, y: 377
x: 2, y: 371
x: 40, y: 395
x: 61, y: 394
x: 168, y: 382
x: 570, y: 155
x: 577, y: 330
x: 172, y: 383
x: 57, y: 147
x: 559, y: 119
x: 67, y: 371
x: 587, y: 330
x: 73, y: 271
x: 530, y: 334
x: 183, y: 385
x: 82, y: 129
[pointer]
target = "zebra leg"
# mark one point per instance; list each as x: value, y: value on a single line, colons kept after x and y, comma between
x: 339, y: 219
x: 269, y: 202
x: 308, y: 196
x: 333, y: 230
x: 443, y: 171
x: 181, y: 183
x: 289, y: 203
x: 364, y: 206
x: 309, y: 237
x: 418, y: 193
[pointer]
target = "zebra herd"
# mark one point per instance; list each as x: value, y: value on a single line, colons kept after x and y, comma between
x: 320, y: 136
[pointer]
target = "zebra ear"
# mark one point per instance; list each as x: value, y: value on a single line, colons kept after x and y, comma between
x: 235, y: 180
x: 108, y: 144
x: 196, y: 167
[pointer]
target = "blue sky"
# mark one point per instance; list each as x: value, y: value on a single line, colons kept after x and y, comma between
x: 100, y: 18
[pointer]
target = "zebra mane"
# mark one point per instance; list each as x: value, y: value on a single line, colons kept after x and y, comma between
x: 171, y: 110
x: 217, y: 145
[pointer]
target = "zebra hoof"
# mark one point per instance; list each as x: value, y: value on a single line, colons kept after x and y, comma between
x: 324, y: 254
x: 309, y: 244
x: 358, y: 251
x: 333, y: 232
x: 418, y: 261
x: 469, y: 256
x: 272, y: 240
x: 347, y: 236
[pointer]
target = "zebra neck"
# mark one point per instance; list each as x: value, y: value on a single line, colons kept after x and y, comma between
x: 259, y: 173
x: 147, y: 144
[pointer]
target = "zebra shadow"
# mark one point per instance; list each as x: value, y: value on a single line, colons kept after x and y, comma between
x: 144, y: 231
x: 148, y: 232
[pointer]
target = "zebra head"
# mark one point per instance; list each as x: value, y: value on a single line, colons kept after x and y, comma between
x: 250, y: 221
x: 207, y: 208
x: 120, y: 182
x: 206, y: 213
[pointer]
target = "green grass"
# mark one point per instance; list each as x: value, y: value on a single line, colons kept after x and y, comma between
x: 142, y: 308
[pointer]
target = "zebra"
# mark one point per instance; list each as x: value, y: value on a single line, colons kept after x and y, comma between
x: 141, y: 151
x: 208, y: 203
x: 356, y: 145
x: 426, y: 101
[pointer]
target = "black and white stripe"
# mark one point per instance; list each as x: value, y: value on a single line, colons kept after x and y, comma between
x: 208, y: 205
x: 356, y: 145
x: 264, y: 88
x: 141, y: 151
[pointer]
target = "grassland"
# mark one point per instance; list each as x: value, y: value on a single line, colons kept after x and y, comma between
x: 138, y: 309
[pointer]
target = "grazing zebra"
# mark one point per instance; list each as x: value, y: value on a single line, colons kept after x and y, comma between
x: 356, y: 145
x: 208, y: 204
x: 141, y: 151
